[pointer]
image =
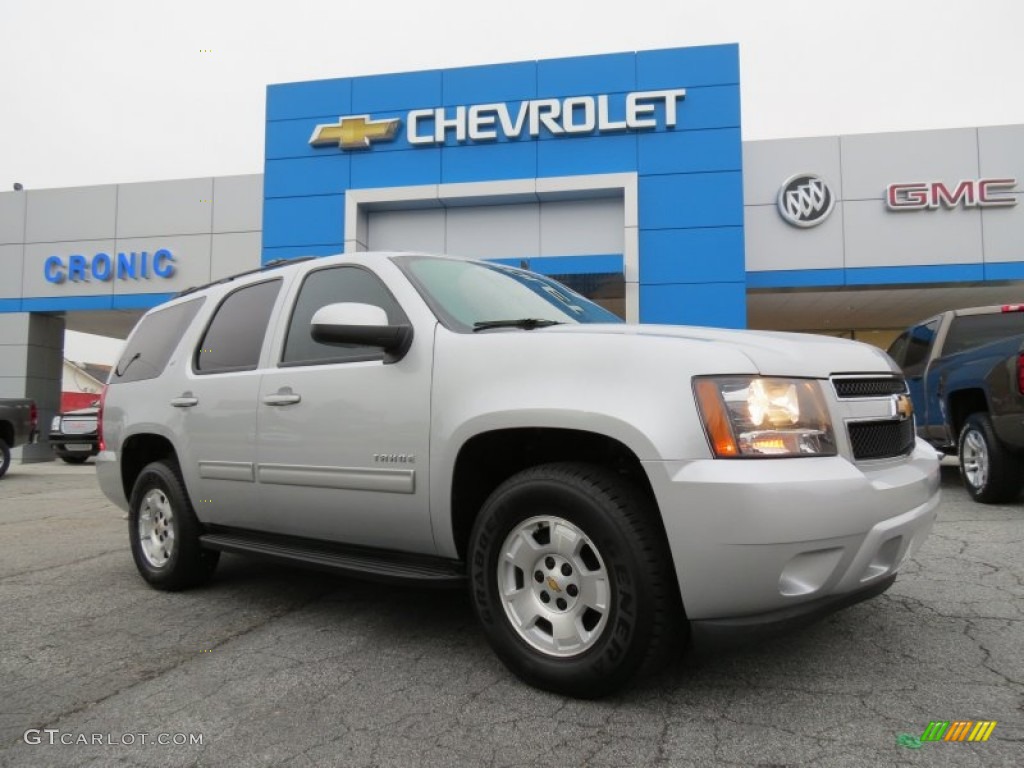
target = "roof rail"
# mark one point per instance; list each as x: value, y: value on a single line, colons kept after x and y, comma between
x: 269, y: 265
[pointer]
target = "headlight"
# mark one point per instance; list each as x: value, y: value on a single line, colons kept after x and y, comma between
x: 55, y: 424
x: 756, y: 416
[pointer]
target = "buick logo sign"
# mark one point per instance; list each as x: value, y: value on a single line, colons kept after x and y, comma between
x: 805, y: 200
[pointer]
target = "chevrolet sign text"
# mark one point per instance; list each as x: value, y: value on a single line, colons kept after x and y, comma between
x: 574, y: 115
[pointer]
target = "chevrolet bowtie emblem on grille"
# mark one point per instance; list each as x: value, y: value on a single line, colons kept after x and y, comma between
x: 902, y: 407
x: 354, y: 132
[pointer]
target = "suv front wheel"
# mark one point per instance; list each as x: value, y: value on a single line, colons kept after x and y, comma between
x: 572, y: 580
x: 164, y: 531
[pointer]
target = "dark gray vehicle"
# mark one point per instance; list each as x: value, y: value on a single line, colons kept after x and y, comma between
x: 73, y: 434
x: 19, y: 421
x: 965, y: 371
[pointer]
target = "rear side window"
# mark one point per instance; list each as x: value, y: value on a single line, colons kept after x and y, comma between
x: 234, y: 337
x: 153, y: 342
x: 969, y: 331
x: 332, y: 286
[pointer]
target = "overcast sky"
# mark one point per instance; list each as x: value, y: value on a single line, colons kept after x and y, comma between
x: 103, y: 91
x: 107, y: 91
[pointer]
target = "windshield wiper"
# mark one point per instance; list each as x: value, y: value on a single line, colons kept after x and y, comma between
x: 526, y: 323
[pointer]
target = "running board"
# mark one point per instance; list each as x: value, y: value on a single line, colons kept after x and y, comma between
x: 365, y: 563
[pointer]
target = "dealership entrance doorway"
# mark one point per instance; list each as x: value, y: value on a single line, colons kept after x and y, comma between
x: 872, y: 315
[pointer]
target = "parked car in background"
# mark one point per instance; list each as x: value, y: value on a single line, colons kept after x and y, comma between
x: 19, y: 422
x: 965, y: 370
x: 74, y: 436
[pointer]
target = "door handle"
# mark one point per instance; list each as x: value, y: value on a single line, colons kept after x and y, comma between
x: 187, y: 400
x: 282, y: 398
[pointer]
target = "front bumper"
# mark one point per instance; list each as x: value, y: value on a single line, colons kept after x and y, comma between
x: 715, y: 634
x: 774, y: 538
x: 63, y: 443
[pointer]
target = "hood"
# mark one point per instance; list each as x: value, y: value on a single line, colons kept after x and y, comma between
x: 773, y: 353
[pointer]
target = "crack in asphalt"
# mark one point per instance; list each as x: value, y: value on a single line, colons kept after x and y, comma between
x: 66, y: 564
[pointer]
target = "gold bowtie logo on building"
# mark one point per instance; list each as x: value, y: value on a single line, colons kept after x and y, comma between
x: 354, y: 132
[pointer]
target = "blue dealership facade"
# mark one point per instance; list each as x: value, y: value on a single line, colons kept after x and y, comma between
x: 665, y: 124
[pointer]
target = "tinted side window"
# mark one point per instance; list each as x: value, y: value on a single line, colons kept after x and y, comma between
x: 332, y: 286
x: 154, y: 341
x: 975, y: 330
x: 234, y: 337
x: 898, y: 349
x: 918, y: 345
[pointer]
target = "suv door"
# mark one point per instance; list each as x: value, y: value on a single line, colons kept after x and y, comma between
x: 218, y: 405
x: 342, y: 437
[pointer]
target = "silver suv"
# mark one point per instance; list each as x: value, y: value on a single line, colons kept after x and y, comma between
x: 604, y: 490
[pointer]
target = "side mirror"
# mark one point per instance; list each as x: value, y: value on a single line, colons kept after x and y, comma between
x: 363, y: 324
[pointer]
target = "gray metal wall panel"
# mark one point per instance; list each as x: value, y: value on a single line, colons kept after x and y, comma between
x: 11, y: 265
x: 767, y: 164
x: 582, y: 227
x: 494, y: 232
x: 872, y: 161
x: 35, y: 284
x: 14, y: 361
x: 181, y: 207
x: 191, y: 263
x: 772, y: 244
x: 234, y: 252
x: 1003, y: 232
x: 238, y: 203
x: 1001, y: 152
x: 878, y: 237
x: 419, y: 230
x: 12, y: 217
x: 74, y: 214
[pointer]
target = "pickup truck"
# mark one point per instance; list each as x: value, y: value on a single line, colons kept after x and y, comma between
x: 965, y: 370
x: 600, y: 489
x: 73, y: 436
x: 19, y: 422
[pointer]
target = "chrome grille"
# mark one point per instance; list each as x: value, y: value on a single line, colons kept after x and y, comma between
x: 78, y: 426
x: 881, y: 439
x: 869, y: 387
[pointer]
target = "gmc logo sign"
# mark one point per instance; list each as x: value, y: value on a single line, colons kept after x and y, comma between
x: 971, y: 193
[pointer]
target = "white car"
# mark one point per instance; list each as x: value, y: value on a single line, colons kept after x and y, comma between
x: 602, y: 489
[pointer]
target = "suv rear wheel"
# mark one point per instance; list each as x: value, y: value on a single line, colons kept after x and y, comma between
x: 164, y: 531
x: 572, y: 580
x: 991, y: 473
x: 5, y: 457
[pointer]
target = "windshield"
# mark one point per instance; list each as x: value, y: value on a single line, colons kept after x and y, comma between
x: 470, y: 294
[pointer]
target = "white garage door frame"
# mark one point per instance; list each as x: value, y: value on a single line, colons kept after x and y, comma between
x: 359, y: 203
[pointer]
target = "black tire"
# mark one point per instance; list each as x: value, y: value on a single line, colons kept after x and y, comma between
x: 992, y: 475
x: 5, y: 457
x: 644, y: 610
x: 188, y: 565
x: 72, y: 459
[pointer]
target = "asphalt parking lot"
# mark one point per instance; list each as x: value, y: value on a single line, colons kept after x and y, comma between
x: 270, y: 666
